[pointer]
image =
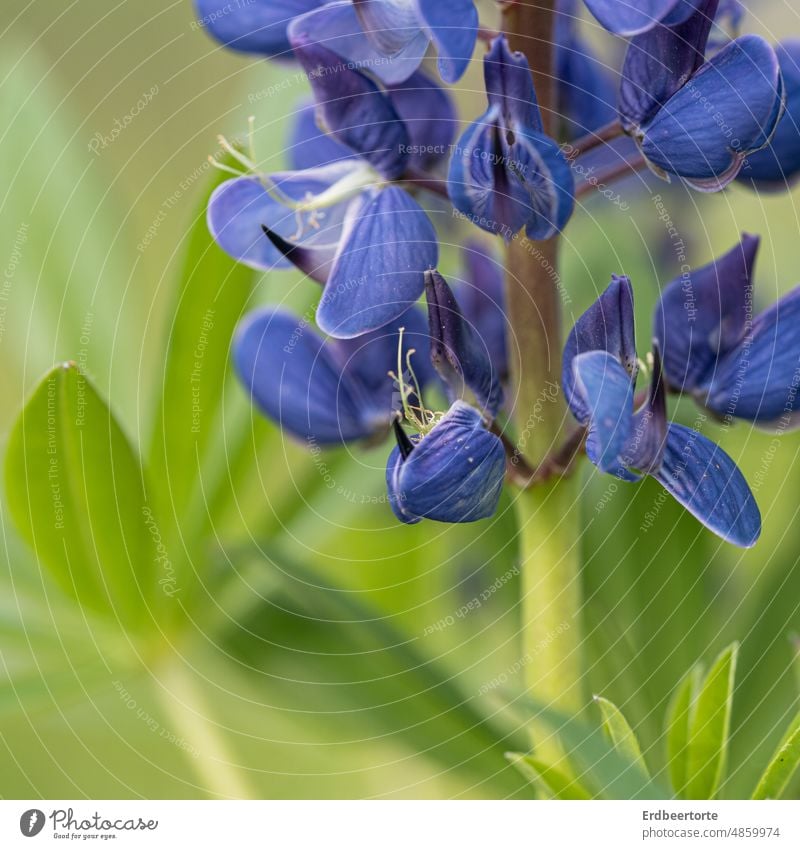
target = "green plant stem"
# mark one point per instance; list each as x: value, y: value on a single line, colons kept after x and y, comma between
x: 214, y: 764
x: 548, y: 514
x: 549, y: 536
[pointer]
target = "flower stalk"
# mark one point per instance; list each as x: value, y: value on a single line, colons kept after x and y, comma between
x: 548, y: 514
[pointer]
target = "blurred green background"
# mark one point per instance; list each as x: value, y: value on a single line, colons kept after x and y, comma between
x: 319, y: 652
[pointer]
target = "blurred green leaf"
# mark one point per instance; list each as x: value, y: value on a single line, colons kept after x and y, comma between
x: 710, y: 728
x: 620, y: 733
x: 677, y: 731
x: 212, y: 291
x: 593, y: 758
x: 75, y: 492
x: 784, y: 762
x: 558, y: 784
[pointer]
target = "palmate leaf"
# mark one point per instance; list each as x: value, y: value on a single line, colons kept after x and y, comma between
x: 75, y: 491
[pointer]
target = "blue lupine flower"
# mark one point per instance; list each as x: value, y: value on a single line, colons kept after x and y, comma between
x: 632, y: 17
x: 505, y: 173
x: 311, y: 147
x: 599, y: 378
x: 347, y: 223
x: 697, y: 119
x: 327, y: 391
x: 454, y: 473
x: 458, y: 352
x: 482, y: 299
x: 735, y: 365
x: 586, y: 88
x: 256, y: 26
x: 390, y: 37
x: 777, y: 166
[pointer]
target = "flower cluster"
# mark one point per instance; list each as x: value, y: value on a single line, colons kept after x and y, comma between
x: 377, y: 153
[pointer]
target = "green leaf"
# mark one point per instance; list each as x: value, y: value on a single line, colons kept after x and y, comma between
x: 75, y: 491
x: 213, y: 291
x: 782, y: 766
x: 677, y: 731
x: 710, y: 728
x: 559, y: 785
x: 594, y: 758
x: 620, y: 733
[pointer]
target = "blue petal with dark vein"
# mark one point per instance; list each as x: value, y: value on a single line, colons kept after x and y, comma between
x: 502, y: 187
x: 389, y: 25
x: 454, y: 474
x: 255, y: 26
x: 236, y: 212
x: 509, y: 87
x: 452, y: 26
x: 703, y: 314
x: 538, y: 164
x: 706, y: 481
x: 336, y: 26
x: 606, y: 326
x: 659, y: 62
x: 478, y: 181
x: 759, y: 379
x: 606, y: 390
x: 296, y: 380
x: 729, y: 109
x: 777, y: 166
x: 457, y: 352
x: 387, y: 245
x: 352, y: 108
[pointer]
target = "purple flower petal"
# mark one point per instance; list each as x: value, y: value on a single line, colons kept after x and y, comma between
x: 777, y: 166
x: 703, y: 314
x: 759, y: 380
x: 457, y: 352
x: 452, y: 25
x: 606, y: 391
x: 309, y: 146
x: 454, y: 474
x: 387, y: 245
x: 704, y: 479
x: 606, y: 326
x: 256, y: 26
x: 236, y: 212
x: 658, y: 64
x: 336, y: 27
x: 482, y: 299
x: 352, y: 108
x: 729, y: 109
x: 297, y: 381
x: 429, y: 115
x: 631, y: 17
